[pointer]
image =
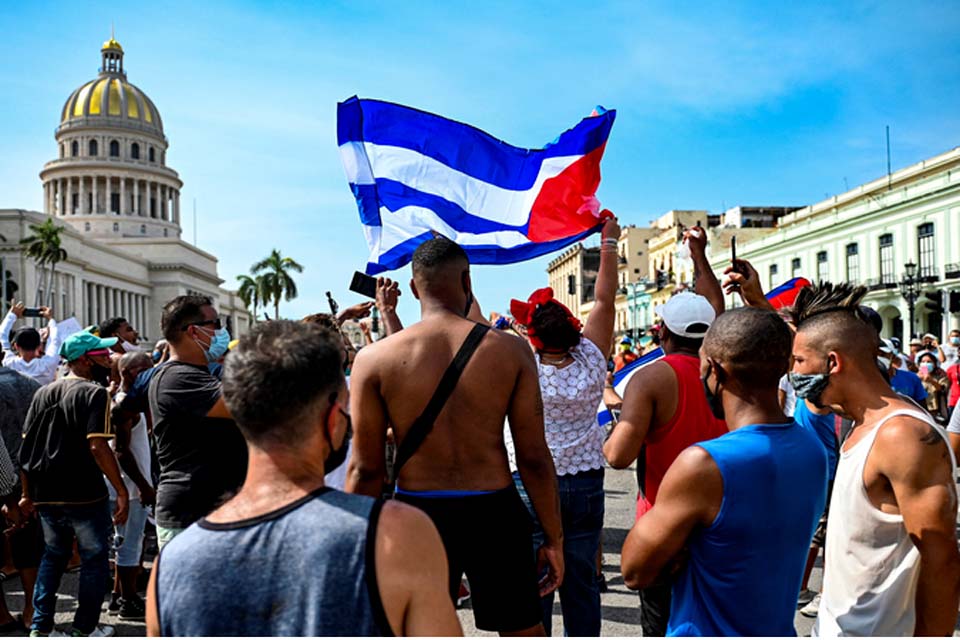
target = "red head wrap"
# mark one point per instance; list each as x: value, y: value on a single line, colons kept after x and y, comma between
x: 523, y: 313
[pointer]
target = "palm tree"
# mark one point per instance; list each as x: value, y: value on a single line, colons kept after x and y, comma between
x: 253, y: 292
x: 44, y: 247
x: 277, y: 281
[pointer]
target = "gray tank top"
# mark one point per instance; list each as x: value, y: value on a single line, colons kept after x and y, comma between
x: 306, y: 569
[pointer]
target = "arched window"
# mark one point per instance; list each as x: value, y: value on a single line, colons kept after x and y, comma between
x: 165, y: 232
x: 86, y: 226
x: 116, y: 227
x: 135, y: 151
x: 74, y: 148
x: 114, y: 149
x: 151, y: 156
x: 92, y: 148
x: 143, y: 228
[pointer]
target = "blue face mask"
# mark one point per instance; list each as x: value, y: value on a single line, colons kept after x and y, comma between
x: 219, y: 344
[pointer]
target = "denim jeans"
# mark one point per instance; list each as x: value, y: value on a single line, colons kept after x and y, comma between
x: 131, y: 534
x: 581, y: 511
x: 92, y: 526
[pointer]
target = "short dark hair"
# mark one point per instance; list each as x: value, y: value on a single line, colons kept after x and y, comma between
x: 109, y: 328
x: 551, y: 325
x: 27, y: 338
x: 831, y: 315
x: 753, y: 344
x: 437, y: 252
x: 277, y: 375
x: 180, y: 312
x: 325, y: 320
x: 682, y: 342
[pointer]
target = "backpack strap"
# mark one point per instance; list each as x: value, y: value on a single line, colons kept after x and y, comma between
x: 423, y: 425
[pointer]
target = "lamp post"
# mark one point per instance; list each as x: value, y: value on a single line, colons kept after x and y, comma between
x: 910, y: 290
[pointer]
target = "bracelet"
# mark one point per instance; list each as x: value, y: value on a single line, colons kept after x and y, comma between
x: 609, y: 241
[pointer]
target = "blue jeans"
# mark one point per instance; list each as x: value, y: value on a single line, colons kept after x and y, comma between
x: 92, y: 526
x: 581, y: 511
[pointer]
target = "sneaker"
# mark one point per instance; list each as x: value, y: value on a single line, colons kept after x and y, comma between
x: 812, y: 608
x: 39, y: 634
x: 805, y: 597
x: 102, y: 631
x: 115, y: 603
x: 133, y: 609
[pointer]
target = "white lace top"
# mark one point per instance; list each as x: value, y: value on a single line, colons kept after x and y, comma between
x: 571, y: 396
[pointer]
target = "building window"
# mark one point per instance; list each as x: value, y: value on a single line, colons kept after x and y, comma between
x: 115, y: 203
x: 116, y: 227
x: 86, y: 226
x: 886, y: 259
x: 165, y: 232
x: 74, y: 148
x: 926, y: 251
x: 853, y: 263
x: 75, y: 204
x: 114, y: 149
x: 143, y: 228
x: 92, y: 148
x: 773, y: 276
x: 795, y: 267
x: 151, y: 155
x: 823, y: 269
x: 135, y: 151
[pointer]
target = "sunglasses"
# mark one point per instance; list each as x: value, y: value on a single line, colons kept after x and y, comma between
x: 203, y: 323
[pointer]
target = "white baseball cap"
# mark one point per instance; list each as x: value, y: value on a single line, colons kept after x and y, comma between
x: 688, y: 315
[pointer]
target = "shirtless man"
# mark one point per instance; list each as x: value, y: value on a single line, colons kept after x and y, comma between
x: 460, y: 475
x: 893, y: 567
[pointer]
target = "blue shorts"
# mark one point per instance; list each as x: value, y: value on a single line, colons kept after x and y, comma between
x: 129, y: 535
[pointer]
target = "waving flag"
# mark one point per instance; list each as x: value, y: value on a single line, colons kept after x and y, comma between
x: 782, y: 296
x: 415, y: 175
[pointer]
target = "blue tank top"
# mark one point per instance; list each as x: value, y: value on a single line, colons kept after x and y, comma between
x: 303, y: 570
x: 745, y: 569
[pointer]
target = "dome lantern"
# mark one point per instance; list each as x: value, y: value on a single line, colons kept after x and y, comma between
x: 112, y: 54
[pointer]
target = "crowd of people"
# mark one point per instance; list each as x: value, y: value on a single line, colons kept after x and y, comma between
x: 299, y: 485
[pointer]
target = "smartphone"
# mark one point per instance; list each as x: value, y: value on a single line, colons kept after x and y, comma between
x: 33, y: 312
x: 733, y: 251
x: 364, y: 285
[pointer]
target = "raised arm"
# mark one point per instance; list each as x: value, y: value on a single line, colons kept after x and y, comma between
x: 367, y: 468
x: 707, y: 284
x: 916, y: 461
x: 388, y: 294
x: 742, y: 278
x: 53, y: 337
x: 535, y: 464
x: 690, y: 496
x: 8, y: 321
x: 599, y: 327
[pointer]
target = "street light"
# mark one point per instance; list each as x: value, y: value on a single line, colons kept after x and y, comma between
x: 910, y: 290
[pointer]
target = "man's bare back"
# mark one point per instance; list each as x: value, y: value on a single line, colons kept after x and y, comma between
x: 394, y: 379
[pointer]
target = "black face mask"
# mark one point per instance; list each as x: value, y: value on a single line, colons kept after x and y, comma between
x: 337, y: 456
x: 713, y: 397
x: 100, y: 374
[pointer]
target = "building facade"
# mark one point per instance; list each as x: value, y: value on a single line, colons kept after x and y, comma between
x: 869, y: 235
x: 118, y: 203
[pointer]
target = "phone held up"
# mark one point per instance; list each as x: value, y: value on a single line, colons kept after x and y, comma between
x: 364, y: 285
x: 33, y: 312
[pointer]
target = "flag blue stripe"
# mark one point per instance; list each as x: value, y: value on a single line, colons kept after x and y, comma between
x: 399, y: 255
x: 395, y: 195
x: 462, y: 146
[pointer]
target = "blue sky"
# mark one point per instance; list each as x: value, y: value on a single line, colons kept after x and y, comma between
x: 719, y: 105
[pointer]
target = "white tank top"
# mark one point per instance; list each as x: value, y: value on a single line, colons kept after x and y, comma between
x: 871, y: 565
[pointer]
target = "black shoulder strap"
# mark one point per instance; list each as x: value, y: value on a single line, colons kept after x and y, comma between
x: 424, y: 423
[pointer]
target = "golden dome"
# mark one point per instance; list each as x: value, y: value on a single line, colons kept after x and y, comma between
x: 110, y: 100
x: 111, y: 44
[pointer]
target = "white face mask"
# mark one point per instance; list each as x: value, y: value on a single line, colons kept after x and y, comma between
x: 129, y: 348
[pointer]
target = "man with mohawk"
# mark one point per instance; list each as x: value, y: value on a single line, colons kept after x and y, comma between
x: 893, y: 568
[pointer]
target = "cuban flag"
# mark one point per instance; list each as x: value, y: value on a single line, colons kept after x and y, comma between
x: 416, y: 175
x: 782, y: 296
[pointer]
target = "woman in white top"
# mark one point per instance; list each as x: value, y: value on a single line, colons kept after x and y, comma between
x: 573, y: 367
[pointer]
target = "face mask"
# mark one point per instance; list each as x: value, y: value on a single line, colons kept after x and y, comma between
x: 955, y: 341
x: 157, y: 355
x: 884, y: 363
x: 100, y: 374
x: 809, y: 386
x: 129, y: 347
x: 928, y: 366
x: 713, y: 398
x: 219, y: 344
x: 337, y: 456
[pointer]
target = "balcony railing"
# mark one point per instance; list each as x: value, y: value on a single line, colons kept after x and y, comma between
x: 952, y: 270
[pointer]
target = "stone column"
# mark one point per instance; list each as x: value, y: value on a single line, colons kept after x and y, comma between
x: 163, y: 203
x: 136, y: 197
x: 96, y: 204
x: 70, y: 195
x: 176, y: 206
x: 123, y: 195
x: 98, y: 313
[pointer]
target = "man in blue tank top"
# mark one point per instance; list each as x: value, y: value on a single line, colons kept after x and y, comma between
x: 734, y: 516
x: 332, y: 564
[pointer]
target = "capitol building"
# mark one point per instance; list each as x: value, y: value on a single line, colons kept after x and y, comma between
x: 118, y: 202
